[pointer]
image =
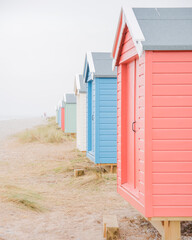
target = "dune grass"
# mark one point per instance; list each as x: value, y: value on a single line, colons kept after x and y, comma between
x: 23, y: 197
x: 94, y: 175
x: 48, y: 133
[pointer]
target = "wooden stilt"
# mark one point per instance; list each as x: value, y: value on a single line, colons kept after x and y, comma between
x: 112, y: 168
x: 110, y: 227
x: 169, y: 230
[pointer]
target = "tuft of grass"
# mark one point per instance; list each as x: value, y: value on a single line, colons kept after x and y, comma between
x: 49, y: 133
x: 23, y: 197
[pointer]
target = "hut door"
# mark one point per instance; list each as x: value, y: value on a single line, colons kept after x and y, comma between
x: 90, y: 117
x: 93, y: 119
x: 131, y: 121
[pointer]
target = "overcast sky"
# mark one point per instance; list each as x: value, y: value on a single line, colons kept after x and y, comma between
x: 43, y: 45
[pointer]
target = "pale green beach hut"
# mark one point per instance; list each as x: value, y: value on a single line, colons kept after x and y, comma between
x: 70, y: 113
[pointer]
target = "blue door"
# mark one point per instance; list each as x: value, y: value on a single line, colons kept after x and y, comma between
x: 90, y: 142
x: 93, y: 117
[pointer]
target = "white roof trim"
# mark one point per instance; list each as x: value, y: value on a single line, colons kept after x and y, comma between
x: 90, y: 61
x: 118, y: 44
x: 64, y: 97
x: 60, y: 103
x: 133, y: 24
x: 78, y: 81
x: 128, y: 17
x: 76, y: 84
x: 117, y: 29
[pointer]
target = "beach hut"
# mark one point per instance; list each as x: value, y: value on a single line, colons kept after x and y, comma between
x: 153, y: 55
x: 101, y: 107
x: 59, y: 113
x: 80, y: 92
x: 56, y: 112
x: 69, y: 118
x: 62, y: 115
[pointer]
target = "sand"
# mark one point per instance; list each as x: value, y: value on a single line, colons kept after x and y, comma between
x: 68, y: 208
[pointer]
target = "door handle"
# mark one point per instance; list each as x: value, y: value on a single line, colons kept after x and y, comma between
x: 133, y: 126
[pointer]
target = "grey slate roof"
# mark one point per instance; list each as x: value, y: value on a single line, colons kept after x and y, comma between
x: 165, y: 28
x: 82, y: 84
x: 70, y: 98
x: 103, y: 64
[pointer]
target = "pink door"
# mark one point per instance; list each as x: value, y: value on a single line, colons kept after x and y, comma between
x: 131, y: 183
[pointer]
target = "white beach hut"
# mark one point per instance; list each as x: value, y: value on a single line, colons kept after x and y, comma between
x: 80, y: 92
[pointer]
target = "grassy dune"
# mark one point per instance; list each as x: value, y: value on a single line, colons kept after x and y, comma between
x: 48, y: 133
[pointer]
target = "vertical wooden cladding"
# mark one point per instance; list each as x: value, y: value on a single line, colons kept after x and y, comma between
x: 172, y: 133
x: 128, y: 55
x: 119, y: 177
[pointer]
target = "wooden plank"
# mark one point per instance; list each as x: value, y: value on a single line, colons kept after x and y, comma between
x: 172, y: 112
x: 172, y: 178
x: 170, y: 123
x: 171, y: 134
x: 172, y: 67
x: 172, y: 101
x: 78, y: 172
x: 128, y: 55
x: 127, y: 46
x: 159, y: 226
x: 110, y: 227
x: 164, y: 156
x: 172, y: 79
x: 175, y: 189
x: 172, y: 90
x: 172, y: 167
x: 172, y: 200
x: 171, y: 145
x: 174, y: 211
x: 170, y: 219
x: 172, y: 56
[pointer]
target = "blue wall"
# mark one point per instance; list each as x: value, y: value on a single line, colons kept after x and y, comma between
x: 102, y: 121
x: 59, y: 117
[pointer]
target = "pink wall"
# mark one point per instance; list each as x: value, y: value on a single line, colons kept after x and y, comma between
x: 171, y: 139
x: 63, y: 119
x: 156, y: 177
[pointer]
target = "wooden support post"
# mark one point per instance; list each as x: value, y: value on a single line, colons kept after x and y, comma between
x: 78, y: 172
x: 172, y: 230
x: 169, y: 230
x: 110, y: 227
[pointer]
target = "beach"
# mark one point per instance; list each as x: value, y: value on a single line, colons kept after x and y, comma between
x: 13, y: 126
x: 41, y: 199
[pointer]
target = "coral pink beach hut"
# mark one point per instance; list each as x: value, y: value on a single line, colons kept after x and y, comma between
x: 153, y: 55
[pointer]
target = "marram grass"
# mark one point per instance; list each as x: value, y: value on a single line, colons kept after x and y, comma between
x: 48, y: 133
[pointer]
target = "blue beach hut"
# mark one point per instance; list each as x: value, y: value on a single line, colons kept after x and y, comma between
x: 60, y: 106
x: 101, y: 105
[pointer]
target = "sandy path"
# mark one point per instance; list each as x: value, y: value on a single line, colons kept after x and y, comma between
x: 72, y: 207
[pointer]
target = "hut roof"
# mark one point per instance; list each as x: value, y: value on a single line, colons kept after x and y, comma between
x: 155, y: 29
x: 69, y: 98
x: 79, y: 84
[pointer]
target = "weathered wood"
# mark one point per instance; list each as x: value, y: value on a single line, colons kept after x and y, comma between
x: 78, y: 172
x: 110, y: 227
x: 169, y: 230
x: 112, y: 168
